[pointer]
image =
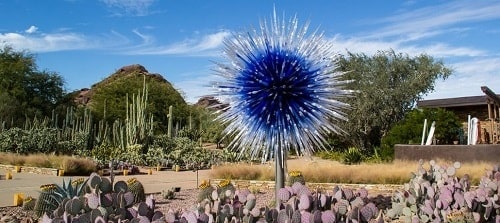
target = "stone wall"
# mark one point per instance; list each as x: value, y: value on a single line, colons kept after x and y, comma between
x: 29, y: 169
x: 373, y: 189
x: 462, y: 153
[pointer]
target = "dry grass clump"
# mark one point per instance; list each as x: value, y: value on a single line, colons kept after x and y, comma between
x: 70, y: 165
x: 325, y: 171
x: 243, y: 171
x: 12, y: 159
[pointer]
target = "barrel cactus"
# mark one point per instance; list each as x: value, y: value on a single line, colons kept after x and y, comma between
x: 46, y: 203
x: 205, y: 191
x: 137, y: 189
x: 223, y: 187
x: 29, y: 203
x: 295, y: 176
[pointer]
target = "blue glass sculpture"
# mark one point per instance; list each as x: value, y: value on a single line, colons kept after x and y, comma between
x: 283, y: 89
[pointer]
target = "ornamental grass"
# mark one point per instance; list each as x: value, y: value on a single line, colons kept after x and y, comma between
x: 317, y: 170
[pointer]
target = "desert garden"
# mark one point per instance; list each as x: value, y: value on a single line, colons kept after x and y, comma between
x: 308, y: 136
x: 393, y: 189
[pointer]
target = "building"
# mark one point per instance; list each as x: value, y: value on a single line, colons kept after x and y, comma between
x: 485, y: 107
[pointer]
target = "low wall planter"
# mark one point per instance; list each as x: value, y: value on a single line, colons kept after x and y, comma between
x: 30, y: 169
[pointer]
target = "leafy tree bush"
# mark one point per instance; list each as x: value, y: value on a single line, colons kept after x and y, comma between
x: 26, y: 92
x: 409, y: 130
x: 386, y: 87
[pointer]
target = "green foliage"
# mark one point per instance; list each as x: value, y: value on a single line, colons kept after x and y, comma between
x: 26, y: 92
x: 330, y: 155
x: 104, y: 153
x: 353, y: 155
x: 386, y: 87
x: 34, y: 140
x: 155, y: 156
x: 132, y: 154
x: 409, y: 130
x: 213, y: 129
x: 109, y: 99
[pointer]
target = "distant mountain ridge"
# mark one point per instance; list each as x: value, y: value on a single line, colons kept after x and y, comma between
x: 84, y: 95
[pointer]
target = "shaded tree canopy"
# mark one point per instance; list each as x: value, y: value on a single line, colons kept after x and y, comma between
x: 386, y: 87
x: 26, y: 92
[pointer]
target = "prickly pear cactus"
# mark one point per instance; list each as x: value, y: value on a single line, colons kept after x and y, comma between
x: 437, y: 195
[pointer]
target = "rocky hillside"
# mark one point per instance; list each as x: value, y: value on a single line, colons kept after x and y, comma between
x: 211, y: 103
x: 84, y: 96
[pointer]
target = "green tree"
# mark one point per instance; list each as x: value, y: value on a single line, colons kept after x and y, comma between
x: 409, y: 130
x: 386, y: 87
x: 26, y: 92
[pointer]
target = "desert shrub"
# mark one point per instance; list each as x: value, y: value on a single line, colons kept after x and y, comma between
x: 330, y: 155
x: 353, y: 155
x: 409, y: 130
x: 78, y: 166
x: 12, y: 159
x: 35, y: 140
x: 104, y: 153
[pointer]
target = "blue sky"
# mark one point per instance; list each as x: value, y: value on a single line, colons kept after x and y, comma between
x: 87, y: 40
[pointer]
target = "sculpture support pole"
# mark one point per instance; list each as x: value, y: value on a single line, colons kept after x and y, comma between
x: 280, y: 173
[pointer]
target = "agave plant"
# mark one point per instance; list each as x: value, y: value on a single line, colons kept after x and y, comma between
x: 67, y: 190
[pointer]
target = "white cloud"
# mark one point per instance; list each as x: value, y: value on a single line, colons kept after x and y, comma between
x: 46, y: 42
x: 31, y: 29
x: 130, y: 7
x: 208, y: 45
x: 197, y: 86
x: 427, y: 19
x: 479, y: 67
x: 467, y: 79
x: 370, y: 47
x: 61, y: 41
